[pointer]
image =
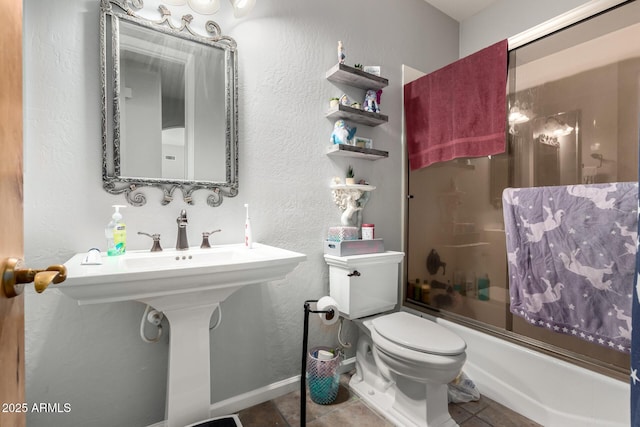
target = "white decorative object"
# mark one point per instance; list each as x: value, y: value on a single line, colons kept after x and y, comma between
x: 351, y: 199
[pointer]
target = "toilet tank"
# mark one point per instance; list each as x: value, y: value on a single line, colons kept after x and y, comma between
x: 364, y: 285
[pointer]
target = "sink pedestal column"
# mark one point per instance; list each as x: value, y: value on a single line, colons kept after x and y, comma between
x: 189, y: 376
x: 189, y: 373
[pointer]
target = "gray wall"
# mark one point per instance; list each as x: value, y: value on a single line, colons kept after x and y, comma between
x: 506, y: 18
x: 92, y: 356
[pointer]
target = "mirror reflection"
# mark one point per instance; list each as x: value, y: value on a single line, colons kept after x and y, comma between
x: 171, y: 119
x: 546, y: 151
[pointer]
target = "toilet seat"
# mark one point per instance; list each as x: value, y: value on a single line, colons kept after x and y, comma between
x: 417, y: 334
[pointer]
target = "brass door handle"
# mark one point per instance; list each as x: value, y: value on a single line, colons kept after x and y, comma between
x: 14, y: 277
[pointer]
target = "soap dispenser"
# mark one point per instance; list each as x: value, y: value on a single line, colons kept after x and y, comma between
x: 116, y: 233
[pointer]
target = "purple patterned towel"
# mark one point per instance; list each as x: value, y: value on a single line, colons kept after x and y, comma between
x: 571, y: 258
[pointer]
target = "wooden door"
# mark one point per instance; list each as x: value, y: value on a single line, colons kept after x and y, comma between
x: 11, y: 222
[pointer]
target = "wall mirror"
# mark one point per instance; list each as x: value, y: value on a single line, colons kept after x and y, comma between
x: 169, y: 105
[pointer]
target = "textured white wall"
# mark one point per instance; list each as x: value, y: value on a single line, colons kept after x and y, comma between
x: 92, y: 356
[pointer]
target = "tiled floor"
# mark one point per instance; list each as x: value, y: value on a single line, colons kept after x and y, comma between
x: 349, y: 411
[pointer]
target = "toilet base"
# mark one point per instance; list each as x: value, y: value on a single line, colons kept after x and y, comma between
x: 383, y: 403
x: 398, y: 399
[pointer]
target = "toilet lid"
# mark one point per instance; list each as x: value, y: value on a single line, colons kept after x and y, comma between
x: 418, y: 334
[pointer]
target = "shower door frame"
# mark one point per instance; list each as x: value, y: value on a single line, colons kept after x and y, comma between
x: 544, y: 29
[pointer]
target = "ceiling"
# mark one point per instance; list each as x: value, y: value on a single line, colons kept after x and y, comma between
x: 460, y: 9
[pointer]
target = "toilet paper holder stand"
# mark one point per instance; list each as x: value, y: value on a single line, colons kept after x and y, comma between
x: 303, y: 375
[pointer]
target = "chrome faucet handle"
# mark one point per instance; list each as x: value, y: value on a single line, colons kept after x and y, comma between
x: 182, y: 219
x: 205, y: 238
x: 156, y: 241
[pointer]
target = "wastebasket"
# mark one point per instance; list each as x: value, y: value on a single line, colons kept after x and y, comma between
x: 323, y: 377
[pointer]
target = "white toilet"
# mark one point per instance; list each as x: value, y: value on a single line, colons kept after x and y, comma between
x: 403, y: 362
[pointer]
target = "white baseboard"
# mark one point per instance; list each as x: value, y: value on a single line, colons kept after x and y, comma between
x: 255, y: 397
x: 266, y: 393
x: 251, y: 398
x: 262, y: 394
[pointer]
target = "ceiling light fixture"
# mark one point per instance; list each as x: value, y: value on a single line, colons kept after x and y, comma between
x: 242, y: 7
x: 556, y: 127
x: 209, y: 7
x: 519, y: 113
x: 204, y: 7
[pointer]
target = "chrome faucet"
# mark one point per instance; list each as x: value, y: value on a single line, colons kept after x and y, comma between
x: 182, y: 242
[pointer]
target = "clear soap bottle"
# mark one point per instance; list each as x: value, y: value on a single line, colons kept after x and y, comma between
x: 116, y: 233
x: 470, y: 285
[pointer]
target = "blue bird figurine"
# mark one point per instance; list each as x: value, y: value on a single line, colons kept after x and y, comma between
x: 342, y: 133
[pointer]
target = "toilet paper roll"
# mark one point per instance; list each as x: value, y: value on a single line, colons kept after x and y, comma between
x: 325, y: 355
x: 328, y: 303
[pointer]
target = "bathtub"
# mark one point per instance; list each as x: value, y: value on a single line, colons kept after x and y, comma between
x: 544, y: 389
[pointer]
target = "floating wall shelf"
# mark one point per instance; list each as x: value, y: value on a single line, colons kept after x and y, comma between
x: 356, y: 115
x: 341, y: 73
x: 353, y: 187
x: 342, y: 150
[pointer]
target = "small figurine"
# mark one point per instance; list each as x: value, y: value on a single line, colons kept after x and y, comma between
x: 341, y: 55
x: 342, y: 133
x: 344, y: 100
x: 371, y: 101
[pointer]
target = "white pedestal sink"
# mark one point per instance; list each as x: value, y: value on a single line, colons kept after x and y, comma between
x: 186, y: 286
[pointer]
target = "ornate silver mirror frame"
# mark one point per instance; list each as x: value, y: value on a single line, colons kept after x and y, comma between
x: 113, y: 13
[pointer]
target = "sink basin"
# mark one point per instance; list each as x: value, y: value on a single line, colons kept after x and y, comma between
x: 187, y: 286
x: 144, y: 275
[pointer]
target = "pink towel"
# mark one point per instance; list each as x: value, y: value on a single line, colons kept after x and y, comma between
x: 458, y: 110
